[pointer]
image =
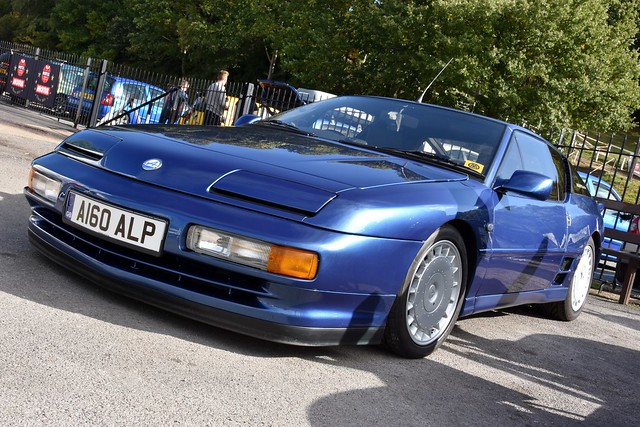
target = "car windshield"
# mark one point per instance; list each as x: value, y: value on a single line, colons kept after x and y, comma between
x: 426, y: 131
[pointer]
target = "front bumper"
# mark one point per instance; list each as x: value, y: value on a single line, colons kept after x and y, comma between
x: 254, y: 315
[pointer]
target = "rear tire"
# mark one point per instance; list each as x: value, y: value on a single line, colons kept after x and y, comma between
x: 60, y: 104
x: 430, y: 300
x: 572, y: 306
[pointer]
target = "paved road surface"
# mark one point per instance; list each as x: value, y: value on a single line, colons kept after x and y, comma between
x: 74, y: 354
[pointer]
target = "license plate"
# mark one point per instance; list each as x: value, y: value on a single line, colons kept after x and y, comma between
x: 121, y: 226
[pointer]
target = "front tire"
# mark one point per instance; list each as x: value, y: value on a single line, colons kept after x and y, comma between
x: 431, y: 296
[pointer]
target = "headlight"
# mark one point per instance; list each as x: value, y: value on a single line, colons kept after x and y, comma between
x: 44, y: 186
x: 283, y: 260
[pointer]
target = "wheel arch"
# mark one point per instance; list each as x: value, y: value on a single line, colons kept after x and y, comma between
x: 471, y: 248
x: 597, y: 241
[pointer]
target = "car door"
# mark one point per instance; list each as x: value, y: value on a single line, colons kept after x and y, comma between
x: 156, y: 107
x: 132, y: 96
x: 529, y: 236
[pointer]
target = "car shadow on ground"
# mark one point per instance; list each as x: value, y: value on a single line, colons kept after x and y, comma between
x: 538, y: 380
x: 471, y: 380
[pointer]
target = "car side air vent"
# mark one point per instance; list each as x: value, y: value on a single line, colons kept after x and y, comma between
x: 564, y: 271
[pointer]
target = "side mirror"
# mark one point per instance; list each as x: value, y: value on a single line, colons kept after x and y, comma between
x: 531, y: 184
x: 247, y: 119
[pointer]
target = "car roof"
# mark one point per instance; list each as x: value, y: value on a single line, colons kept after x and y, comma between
x: 120, y: 79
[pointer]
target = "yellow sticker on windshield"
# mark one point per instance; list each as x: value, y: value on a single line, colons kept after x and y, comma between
x: 478, y: 167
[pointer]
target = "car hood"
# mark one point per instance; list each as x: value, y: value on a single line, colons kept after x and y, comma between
x: 253, y: 165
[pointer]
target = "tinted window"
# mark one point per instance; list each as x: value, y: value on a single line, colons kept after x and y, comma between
x: 601, y: 188
x: 155, y: 92
x: 528, y: 153
x: 579, y: 186
x: 604, y: 190
x: 92, y: 83
x: 562, y: 172
x: 467, y: 140
x: 133, y: 92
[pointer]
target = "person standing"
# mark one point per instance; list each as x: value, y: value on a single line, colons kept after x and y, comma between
x: 216, y: 99
x: 176, y: 103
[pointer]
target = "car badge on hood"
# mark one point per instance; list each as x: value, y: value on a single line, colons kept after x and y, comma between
x: 152, y: 164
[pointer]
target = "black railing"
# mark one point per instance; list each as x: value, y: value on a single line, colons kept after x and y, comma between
x: 91, y: 92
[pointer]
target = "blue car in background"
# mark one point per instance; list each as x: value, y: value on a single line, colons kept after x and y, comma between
x: 119, y: 95
x: 617, y: 220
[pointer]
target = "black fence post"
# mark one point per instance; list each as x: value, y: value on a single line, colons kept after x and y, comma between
x: 247, y: 103
x: 97, y: 98
x: 85, y: 80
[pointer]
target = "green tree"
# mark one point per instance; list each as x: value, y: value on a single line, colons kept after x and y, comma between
x: 555, y: 61
x: 94, y: 28
x: 9, y: 21
x: 26, y: 21
x: 561, y: 62
x: 193, y: 38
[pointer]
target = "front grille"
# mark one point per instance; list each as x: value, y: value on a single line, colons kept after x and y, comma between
x: 170, y: 269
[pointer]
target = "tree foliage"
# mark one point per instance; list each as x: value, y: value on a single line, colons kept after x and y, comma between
x: 562, y: 62
x: 94, y: 28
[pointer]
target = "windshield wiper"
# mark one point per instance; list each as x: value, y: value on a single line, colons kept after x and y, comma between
x: 285, y: 125
x: 447, y: 161
x: 352, y: 141
x: 437, y: 158
x: 432, y: 156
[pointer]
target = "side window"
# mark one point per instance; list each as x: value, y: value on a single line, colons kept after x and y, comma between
x: 134, y: 92
x: 155, y: 93
x: 511, y: 162
x: 579, y: 186
x: 528, y: 153
x: 605, y: 191
x: 563, y: 171
x: 602, y: 189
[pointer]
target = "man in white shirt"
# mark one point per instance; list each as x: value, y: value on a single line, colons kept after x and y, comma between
x: 216, y: 99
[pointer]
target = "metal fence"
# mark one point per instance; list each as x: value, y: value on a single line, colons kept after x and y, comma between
x: 611, y: 164
x: 613, y: 160
x: 93, y: 92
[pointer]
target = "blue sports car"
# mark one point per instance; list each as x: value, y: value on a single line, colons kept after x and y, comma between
x: 354, y: 220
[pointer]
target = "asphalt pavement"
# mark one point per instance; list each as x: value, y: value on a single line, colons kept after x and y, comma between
x: 34, y: 120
